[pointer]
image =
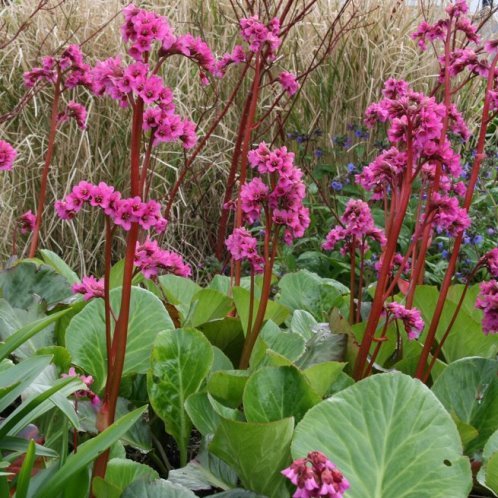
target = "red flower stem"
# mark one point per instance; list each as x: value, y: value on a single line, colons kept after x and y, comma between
x: 46, y: 168
x: 251, y: 305
x: 380, y: 341
x: 222, y: 227
x: 360, y: 283
x: 107, y: 299
x: 145, y: 168
x: 246, y: 143
x: 440, y: 345
x: 352, y: 278
x: 431, y: 334
x: 119, y: 340
x: 387, y: 257
x: 265, y: 294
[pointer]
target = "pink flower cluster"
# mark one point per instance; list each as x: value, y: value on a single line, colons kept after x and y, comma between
x: 316, y: 476
x: 120, y: 82
x: 284, y: 203
x: 122, y: 211
x: 357, y: 224
x: 143, y: 28
x: 288, y: 82
x: 256, y: 34
x: 27, y: 222
x: 237, y: 56
x: 491, y: 260
x: 243, y: 246
x: 75, y: 111
x: 429, y: 33
x: 411, y: 318
x: 70, y: 66
x: 448, y: 215
x: 487, y: 301
x: 150, y: 259
x: 7, y: 156
x: 90, y: 287
x: 84, y: 393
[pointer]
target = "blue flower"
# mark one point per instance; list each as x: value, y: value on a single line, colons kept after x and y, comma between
x: 444, y: 254
x: 351, y: 167
x: 318, y: 153
x: 337, y: 186
x: 491, y: 231
x: 478, y: 240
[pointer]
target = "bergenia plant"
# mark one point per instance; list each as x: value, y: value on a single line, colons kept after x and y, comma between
x: 421, y: 169
x: 274, y: 200
x: 62, y: 74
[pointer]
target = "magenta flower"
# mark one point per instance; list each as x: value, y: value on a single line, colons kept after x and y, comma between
x: 75, y: 111
x: 150, y: 259
x: 358, y: 224
x: 316, y: 476
x: 244, y: 247
x: 90, y: 287
x: 491, y: 260
x: 411, y: 318
x: 27, y: 222
x: 256, y: 34
x: 289, y: 82
x: 7, y: 156
x: 487, y: 301
x: 84, y: 393
x: 448, y: 215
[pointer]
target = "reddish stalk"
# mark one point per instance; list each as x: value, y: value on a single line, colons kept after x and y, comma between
x: 46, y: 168
x: 352, y: 279
x: 107, y: 299
x: 378, y: 301
x: 431, y: 334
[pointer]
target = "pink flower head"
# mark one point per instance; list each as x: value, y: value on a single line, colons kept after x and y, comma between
x: 27, y: 222
x: 84, y: 393
x: 411, y: 318
x: 448, y: 215
x: 358, y: 223
x: 487, y: 301
x: 289, y: 82
x: 252, y: 195
x: 7, y: 156
x: 256, y: 34
x: 189, y: 135
x: 491, y: 260
x: 150, y: 259
x: 394, y: 89
x: 243, y: 246
x: 316, y: 476
x: 90, y: 287
x: 100, y: 195
x: 75, y: 111
x: 458, y: 8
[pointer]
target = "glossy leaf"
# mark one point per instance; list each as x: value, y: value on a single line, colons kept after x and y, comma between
x: 24, y: 476
x: 207, y: 305
x: 181, y: 360
x: 201, y: 413
x: 227, y: 386
x: 384, y: 433
x: 59, y: 265
x: 257, y: 452
x: 156, y: 489
x: 275, y: 393
x: 85, y: 336
x: 468, y: 388
x: 226, y: 334
x: 323, y: 375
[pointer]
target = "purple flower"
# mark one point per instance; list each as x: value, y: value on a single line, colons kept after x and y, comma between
x: 7, y: 156
x: 487, y: 301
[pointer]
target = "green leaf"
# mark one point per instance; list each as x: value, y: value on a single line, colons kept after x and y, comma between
x: 303, y: 323
x: 227, y: 335
x: 17, y: 378
x: 385, y: 432
x: 237, y: 493
x: 492, y: 473
x: 307, y: 291
x: 24, y: 476
x: 274, y: 311
x: 27, y: 332
x: 221, y: 361
x: 78, y: 486
x: 60, y: 356
x: 468, y: 388
x: 466, y: 337
x: 59, y: 265
x: 119, y: 474
x: 208, y: 305
x: 179, y: 291
x: 20, y: 445
x: 156, y: 489
x: 22, y: 283
x: 323, y: 375
x: 227, y: 386
x: 257, y: 452
x: 33, y: 408
x: 87, y: 452
x: 275, y: 393
x: 181, y: 360
x: 85, y: 336
x: 202, y: 414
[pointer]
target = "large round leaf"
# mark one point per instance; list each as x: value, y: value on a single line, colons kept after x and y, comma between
x: 181, y: 360
x: 468, y: 388
x: 85, y: 335
x: 275, y: 393
x: 391, y: 438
